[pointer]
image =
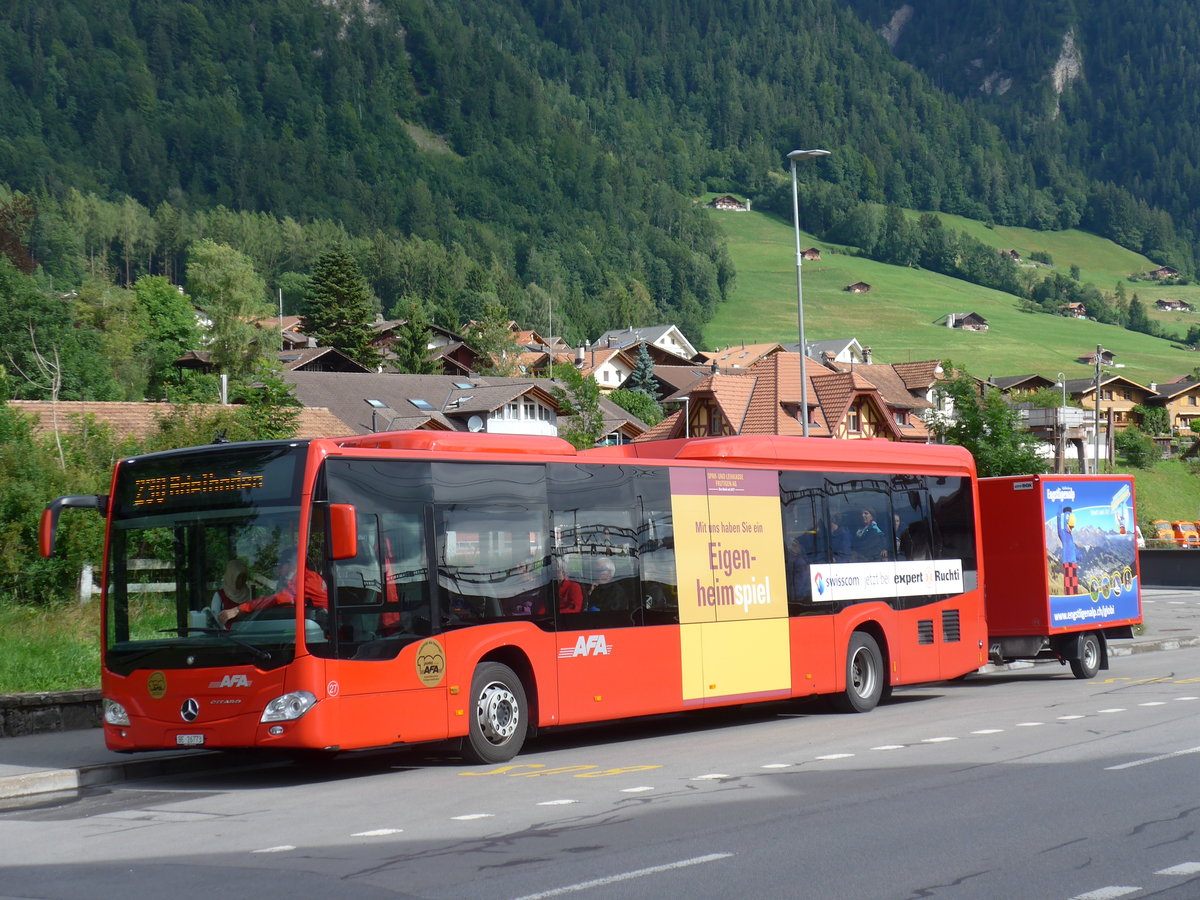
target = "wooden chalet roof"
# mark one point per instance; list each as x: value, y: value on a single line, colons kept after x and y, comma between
x: 138, y: 420
x: 741, y: 357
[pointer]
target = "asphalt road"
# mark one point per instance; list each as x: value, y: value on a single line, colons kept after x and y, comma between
x: 1027, y: 784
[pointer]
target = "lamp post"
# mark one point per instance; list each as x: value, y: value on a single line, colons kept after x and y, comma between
x: 1096, y: 436
x: 1061, y: 462
x: 794, y: 156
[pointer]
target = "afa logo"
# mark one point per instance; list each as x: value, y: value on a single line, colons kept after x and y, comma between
x: 587, y: 645
x: 819, y: 584
x: 231, y: 681
x: 431, y: 663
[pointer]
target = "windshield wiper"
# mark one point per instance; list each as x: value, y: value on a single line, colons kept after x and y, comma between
x: 257, y: 652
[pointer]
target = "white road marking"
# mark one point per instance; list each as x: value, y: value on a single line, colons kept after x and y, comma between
x: 636, y: 790
x: 557, y: 802
x: 713, y: 776
x: 378, y: 832
x: 470, y: 816
x: 1115, y: 709
x: 1187, y: 698
x: 280, y: 849
x: 1029, y: 724
x: 937, y: 740
x: 889, y: 747
x: 777, y: 766
x: 836, y: 756
x: 626, y: 876
x: 1107, y: 893
x: 1153, y: 703
x: 1152, y: 759
x: 1068, y: 718
x: 989, y: 731
x: 1187, y: 868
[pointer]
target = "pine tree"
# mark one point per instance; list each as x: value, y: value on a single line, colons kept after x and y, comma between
x: 339, y: 308
x: 642, y: 377
x: 412, y: 350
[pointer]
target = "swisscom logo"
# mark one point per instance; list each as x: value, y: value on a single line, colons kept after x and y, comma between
x: 819, y: 581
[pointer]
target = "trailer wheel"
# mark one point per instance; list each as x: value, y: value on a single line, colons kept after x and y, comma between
x: 498, y: 715
x: 864, y: 675
x: 1088, y: 663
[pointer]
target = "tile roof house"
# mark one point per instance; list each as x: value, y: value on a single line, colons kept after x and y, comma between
x: 738, y: 357
x: 1009, y: 383
x: 609, y: 366
x: 297, y: 359
x: 1181, y: 399
x: 664, y: 337
x: 453, y: 354
x: 865, y: 401
x: 1172, y: 305
x: 1117, y: 394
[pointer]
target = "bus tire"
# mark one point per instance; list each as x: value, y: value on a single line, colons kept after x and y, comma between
x: 1088, y: 663
x: 864, y: 676
x: 499, y: 715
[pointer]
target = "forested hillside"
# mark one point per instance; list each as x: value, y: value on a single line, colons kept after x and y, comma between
x: 1108, y: 89
x: 530, y: 156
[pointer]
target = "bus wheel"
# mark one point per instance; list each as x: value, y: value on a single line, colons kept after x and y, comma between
x: 864, y: 675
x: 498, y: 716
x: 1088, y: 663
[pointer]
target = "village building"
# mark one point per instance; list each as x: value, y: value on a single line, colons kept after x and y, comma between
x: 967, y: 321
x: 859, y: 287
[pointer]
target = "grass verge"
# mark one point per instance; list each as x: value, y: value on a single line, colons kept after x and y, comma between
x: 49, y: 647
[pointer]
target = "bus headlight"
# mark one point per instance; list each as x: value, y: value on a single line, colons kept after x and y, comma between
x: 114, y: 713
x: 289, y: 707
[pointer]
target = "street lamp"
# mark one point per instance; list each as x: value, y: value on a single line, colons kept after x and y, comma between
x: 794, y: 156
x: 1061, y: 462
x: 1096, y: 436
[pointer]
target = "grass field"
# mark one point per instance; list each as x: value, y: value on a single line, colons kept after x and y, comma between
x: 55, y: 647
x: 897, y: 318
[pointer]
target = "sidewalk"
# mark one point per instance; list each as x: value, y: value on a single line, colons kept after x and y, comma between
x: 71, y: 760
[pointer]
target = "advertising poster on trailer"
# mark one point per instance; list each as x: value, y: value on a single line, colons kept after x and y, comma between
x: 1090, y: 552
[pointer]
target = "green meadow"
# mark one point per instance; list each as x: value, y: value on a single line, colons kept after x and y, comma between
x: 899, y: 317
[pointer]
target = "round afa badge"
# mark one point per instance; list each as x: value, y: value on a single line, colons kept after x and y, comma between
x: 156, y: 685
x: 431, y: 663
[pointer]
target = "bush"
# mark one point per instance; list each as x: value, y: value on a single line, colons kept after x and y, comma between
x: 1136, y: 448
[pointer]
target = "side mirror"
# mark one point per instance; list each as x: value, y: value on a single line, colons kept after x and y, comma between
x: 48, y: 528
x: 343, y: 531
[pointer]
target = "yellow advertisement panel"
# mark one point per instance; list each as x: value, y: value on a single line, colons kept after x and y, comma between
x: 729, y: 554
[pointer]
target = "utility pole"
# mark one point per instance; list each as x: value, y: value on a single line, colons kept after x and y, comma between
x: 1096, y: 436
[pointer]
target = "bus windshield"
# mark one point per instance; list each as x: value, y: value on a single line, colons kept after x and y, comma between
x: 195, y: 535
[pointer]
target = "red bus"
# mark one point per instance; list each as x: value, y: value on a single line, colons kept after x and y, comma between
x: 481, y: 587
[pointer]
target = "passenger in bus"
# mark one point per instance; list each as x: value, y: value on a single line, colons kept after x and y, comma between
x: 526, y: 597
x: 869, y: 540
x: 314, y: 591
x: 799, y: 582
x: 235, y: 587
x: 606, y: 595
x: 570, y: 594
x: 839, y: 541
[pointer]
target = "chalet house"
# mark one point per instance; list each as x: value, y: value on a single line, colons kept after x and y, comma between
x: 841, y: 350
x: 859, y: 287
x: 1074, y: 311
x: 729, y: 202
x: 1011, y: 384
x: 1181, y: 399
x: 288, y: 329
x: 609, y: 366
x: 453, y: 354
x: 1107, y: 358
x: 1163, y: 272
x: 766, y: 399
x: 663, y: 337
x: 300, y: 359
x: 1117, y: 393
x: 812, y: 254
x: 1172, y: 305
x: 968, y: 321
x: 1011, y: 254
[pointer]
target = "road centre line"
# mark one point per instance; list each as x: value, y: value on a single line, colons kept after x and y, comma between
x: 1151, y: 759
x: 1187, y: 868
x: 626, y: 876
x: 1107, y: 893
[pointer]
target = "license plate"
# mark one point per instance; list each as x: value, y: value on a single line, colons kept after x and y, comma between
x: 189, y: 740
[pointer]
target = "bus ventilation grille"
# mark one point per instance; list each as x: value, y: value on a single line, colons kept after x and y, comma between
x: 951, y: 632
x: 925, y: 631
